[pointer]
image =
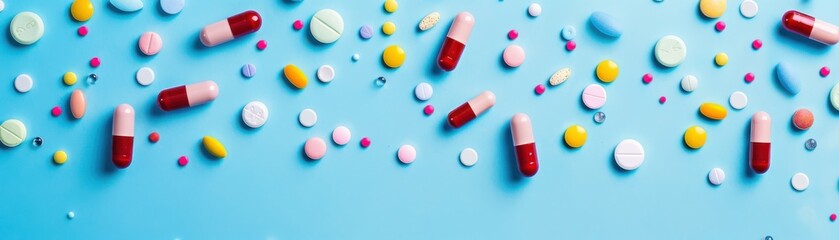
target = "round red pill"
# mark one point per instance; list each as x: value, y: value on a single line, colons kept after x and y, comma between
x: 749, y: 77
x: 82, y: 31
x: 428, y: 110
x: 297, y: 24
x: 513, y: 34
x: 540, y: 89
x: 182, y: 161
x: 757, y: 44
x: 570, y: 46
x: 154, y: 137
x: 261, y: 45
x: 802, y: 119
x: 824, y: 71
x: 94, y: 62
x: 662, y: 99
x: 832, y: 217
x: 56, y: 111
x: 648, y: 78
x: 365, y: 142
x: 720, y: 26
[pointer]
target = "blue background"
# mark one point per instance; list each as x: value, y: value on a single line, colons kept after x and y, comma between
x: 266, y: 188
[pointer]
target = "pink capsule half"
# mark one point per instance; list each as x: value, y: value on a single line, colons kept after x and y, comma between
x: 810, y: 27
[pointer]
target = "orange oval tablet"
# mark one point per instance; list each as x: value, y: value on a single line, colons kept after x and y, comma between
x: 295, y: 76
x: 78, y: 104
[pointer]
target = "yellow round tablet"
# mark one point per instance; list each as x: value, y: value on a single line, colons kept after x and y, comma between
x: 575, y: 136
x: 388, y: 28
x: 60, y: 157
x: 393, y: 56
x: 607, y: 71
x: 721, y: 59
x: 712, y: 8
x: 695, y: 137
x: 81, y: 10
x: 391, y: 6
x: 70, y: 78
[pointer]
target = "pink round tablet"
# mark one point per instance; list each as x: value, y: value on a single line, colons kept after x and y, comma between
x: 82, y: 31
x: 428, y: 109
x: 513, y: 34
x: 513, y: 55
x: 594, y: 96
x: 662, y: 99
x: 261, y: 45
x: 540, y: 89
x: 341, y: 135
x: 406, y: 154
x: 824, y: 71
x: 56, y: 111
x: 315, y: 148
x: 94, y: 62
x: 757, y: 44
x: 150, y: 43
x: 365, y: 142
x: 297, y: 24
x: 749, y: 77
x: 832, y: 217
x: 182, y: 161
x: 648, y: 78
x: 720, y: 26
x: 803, y: 119
x: 570, y: 46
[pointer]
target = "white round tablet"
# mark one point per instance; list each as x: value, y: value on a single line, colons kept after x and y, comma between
x: 308, y: 117
x: 716, y: 176
x: 534, y: 9
x: 255, y: 114
x: 341, y: 135
x: 748, y: 8
x: 326, y: 73
x: 738, y: 100
x: 690, y: 83
x: 800, y: 182
x: 23, y: 83
x: 423, y: 91
x: 145, y: 76
x: 629, y: 154
x: 468, y: 157
x: 670, y: 51
x: 2, y: 5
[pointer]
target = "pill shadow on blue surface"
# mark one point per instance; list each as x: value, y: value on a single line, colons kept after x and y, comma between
x: 830, y: 107
x: 213, y: 160
x: 749, y: 176
x: 701, y: 16
x: 11, y: 39
x: 657, y: 65
x: 592, y: 30
x: 107, y: 167
x: 304, y: 159
x: 237, y: 117
x: 505, y: 68
x: 448, y: 130
x: 509, y: 163
x: 794, y: 130
x: 706, y: 120
x: 617, y: 168
x: 162, y: 14
x: 796, y: 41
x: 318, y: 46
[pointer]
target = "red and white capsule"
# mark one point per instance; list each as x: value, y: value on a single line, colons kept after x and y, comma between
x: 122, y: 141
x: 525, y: 144
x: 231, y: 28
x: 187, y: 95
x: 759, y: 146
x: 810, y: 27
x: 470, y: 110
x: 455, y: 41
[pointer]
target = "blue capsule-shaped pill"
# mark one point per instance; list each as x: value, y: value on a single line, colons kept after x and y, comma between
x: 606, y: 24
x: 787, y: 78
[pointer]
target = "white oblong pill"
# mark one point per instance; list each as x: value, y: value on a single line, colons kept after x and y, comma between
x: 468, y: 157
x: 145, y: 76
x: 308, y: 117
x: 560, y: 76
x: 255, y: 114
x: 326, y: 73
x: 629, y: 154
x: 738, y: 100
x: 716, y: 176
x: 23, y: 83
x: 690, y: 83
x: 800, y: 182
x: 429, y: 21
x: 423, y: 91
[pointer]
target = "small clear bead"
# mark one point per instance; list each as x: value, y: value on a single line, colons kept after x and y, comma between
x: 71, y: 215
x: 91, y: 79
x: 599, y: 117
x: 37, y: 141
x: 768, y: 238
x: 356, y: 57
x: 381, y: 81
x: 811, y: 144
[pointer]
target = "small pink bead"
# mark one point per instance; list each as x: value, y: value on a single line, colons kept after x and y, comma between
x: 428, y: 110
x: 720, y: 26
x: 261, y: 45
x: 297, y: 24
x: 365, y: 142
x: 648, y: 78
x: 94, y: 62
x: 570, y: 46
x: 513, y: 34
x: 182, y: 161
x: 662, y: 99
x: 750, y: 77
x: 82, y: 31
x: 832, y: 217
x: 540, y: 89
x: 824, y: 71
x: 757, y: 44
x: 56, y: 111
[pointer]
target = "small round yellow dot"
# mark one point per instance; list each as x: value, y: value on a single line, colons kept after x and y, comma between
x: 391, y: 6
x: 60, y: 157
x: 388, y: 28
x: 575, y: 136
x: 607, y: 71
x: 695, y: 137
x: 70, y: 78
x: 721, y: 59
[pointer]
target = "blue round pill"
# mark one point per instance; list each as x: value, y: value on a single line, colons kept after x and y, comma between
x: 366, y: 32
x: 569, y: 32
x: 248, y: 70
x: 172, y: 6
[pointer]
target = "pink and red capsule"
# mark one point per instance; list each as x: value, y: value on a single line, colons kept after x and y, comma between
x: 122, y: 141
x: 810, y: 27
x: 470, y: 110
x: 187, y: 95
x: 231, y: 28
x: 455, y: 41
x: 760, y: 142
x: 525, y: 144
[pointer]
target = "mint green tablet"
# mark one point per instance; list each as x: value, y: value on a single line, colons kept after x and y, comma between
x: 12, y: 132
x: 326, y: 26
x: 27, y: 28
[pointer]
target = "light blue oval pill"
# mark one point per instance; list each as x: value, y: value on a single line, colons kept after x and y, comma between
x: 606, y: 24
x: 366, y: 32
x: 787, y: 78
x: 172, y: 6
x: 569, y: 32
x: 127, y: 5
x: 248, y: 70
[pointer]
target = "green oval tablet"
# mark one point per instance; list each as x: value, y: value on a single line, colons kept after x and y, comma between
x: 27, y: 28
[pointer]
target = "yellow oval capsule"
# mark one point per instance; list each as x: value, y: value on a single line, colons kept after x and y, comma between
x: 575, y: 136
x: 393, y: 56
x: 81, y: 10
x: 713, y: 111
x: 607, y: 71
x: 295, y: 76
x: 214, y: 147
x: 695, y: 137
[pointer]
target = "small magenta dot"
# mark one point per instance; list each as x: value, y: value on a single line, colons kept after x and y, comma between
x: 428, y: 110
x: 540, y: 89
x: 56, y: 111
x: 757, y: 44
x: 297, y: 25
x: 720, y: 26
x: 833, y: 217
x: 94, y: 62
x: 261, y: 45
x: 182, y: 161
x: 513, y: 34
x: 749, y: 77
x: 570, y: 46
x: 154, y: 137
x: 365, y: 142
x: 824, y: 71
x: 662, y: 99
x: 648, y: 78
x: 82, y: 31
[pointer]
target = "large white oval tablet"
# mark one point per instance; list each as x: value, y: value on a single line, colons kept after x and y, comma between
x: 560, y: 76
x: 738, y: 100
x: 326, y: 73
x: 468, y: 157
x: 800, y: 182
x: 26, y: 28
x: 423, y: 91
x: 308, y: 117
x: 326, y: 26
x: 690, y: 83
x: 255, y: 114
x: 127, y: 5
x: 716, y: 176
x: 748, y: 8
x: 172, y: 6
x: 670, y: 51
x: 341, y: 135
x: 429, y: 21
x: 145, y: 76
x: 23, y: 83
x: 629, y: 154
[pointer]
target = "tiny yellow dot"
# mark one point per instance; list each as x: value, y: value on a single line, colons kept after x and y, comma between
x: 60, y: 157
x: 388, y: 28
x: 721, y: 59
x: 70, y: 78
x: 391, y: 6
